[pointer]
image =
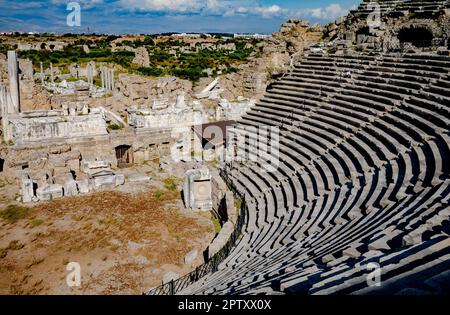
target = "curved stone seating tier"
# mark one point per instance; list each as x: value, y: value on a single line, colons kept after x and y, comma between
x: 363, y: 176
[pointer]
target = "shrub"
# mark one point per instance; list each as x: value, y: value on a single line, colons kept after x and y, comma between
x: 171, y: 183
x: 14, y: 213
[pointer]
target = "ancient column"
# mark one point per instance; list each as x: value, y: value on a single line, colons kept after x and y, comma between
x: 112, y: 79
x: 13, y: 75
x: 4, y: 113
x: 90, y: 74
x: 52, y: 78
x: 42, y: 74
x: 102, y: 74
x: 108, y: 80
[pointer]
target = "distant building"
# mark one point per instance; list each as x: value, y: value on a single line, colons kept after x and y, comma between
x: 252, y: 36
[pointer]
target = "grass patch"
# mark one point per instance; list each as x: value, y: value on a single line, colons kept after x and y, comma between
x: 14, y: 213
x: 216, y: 222
x: 36, y: 222
x: 171, y: 183
x: 115, y: 127
x: 237, y: 204
x: 158, y: 194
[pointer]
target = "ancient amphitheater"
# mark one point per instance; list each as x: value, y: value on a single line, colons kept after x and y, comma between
x: 363, y: 175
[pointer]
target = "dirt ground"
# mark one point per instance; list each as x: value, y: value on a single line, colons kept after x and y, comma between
x: 123, y: 242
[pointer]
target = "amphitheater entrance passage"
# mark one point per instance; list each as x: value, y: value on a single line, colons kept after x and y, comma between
x: 417, y: 36
x: 124, y: 155
x: 2, y: 163
x: 362, y: 35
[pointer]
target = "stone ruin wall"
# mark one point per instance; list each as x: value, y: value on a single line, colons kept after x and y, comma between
x: 53, y: 164
x: 43, y: 129
x: 385, y: 37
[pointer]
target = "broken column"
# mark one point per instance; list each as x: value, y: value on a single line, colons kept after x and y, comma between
x: 27, y: 189
x: 13, y: 75
x: 112, y: 79
x: 197, y: 190
x: 102, y: 75
x: 52, y: 78
x: 42, y: 74
x: 90, y: 75
x: 4, y: 113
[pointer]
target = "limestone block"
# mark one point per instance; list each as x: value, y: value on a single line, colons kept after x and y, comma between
x: 83, y: 186
x: 58, y: 162
x: 62, y: 178
x: 95, y: 164
x: 74, y: 165
x: 106, y: 181
x: 120, y: 179
x: 60, y: 149
x: 139, y: 157
x: 221, y: 239
x: 49, y: 192
x: 60, y: 171
x: 136, y: 177
x: 190, y: 257
x: 27, y: 189
x: 197, y: 190
x: 70, y: 188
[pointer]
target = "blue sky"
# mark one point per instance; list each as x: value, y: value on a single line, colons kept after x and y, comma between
x: 157, y: 16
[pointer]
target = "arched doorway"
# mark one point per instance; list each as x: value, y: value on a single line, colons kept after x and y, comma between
x: 362, y: 35
x: 2, y: 163
x: 124, y: 155
x: 417, y: 36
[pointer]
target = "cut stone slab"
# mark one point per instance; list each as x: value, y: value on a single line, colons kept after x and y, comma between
x: 70, y: 188
x: 136, y: 177
x: 50, y: 192
x: 83, y: 186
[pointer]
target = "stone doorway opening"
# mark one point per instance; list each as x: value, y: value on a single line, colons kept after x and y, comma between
x: 417, y: 36
x: 2, y: 163
x: 124, y: 155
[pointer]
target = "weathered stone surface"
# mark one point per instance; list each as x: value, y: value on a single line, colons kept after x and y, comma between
x: 49, y: 192
x: 169, y: 276
x: 141, y: 57
x: 197, y: 190
x: 190, y: 257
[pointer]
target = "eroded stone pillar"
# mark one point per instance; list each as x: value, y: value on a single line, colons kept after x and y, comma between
x: 42, y: 74
x: 112, y: 80
x: 52, y: 78
x: 13, y: 76
x: 102, y: 74
x: 4, y: 113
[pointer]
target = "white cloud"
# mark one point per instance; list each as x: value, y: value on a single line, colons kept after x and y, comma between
x: 331, y: 12
x: 84, y: 4
x: 267, y: 12
x: 205, y: 7
x: 229, y: 8
x: 171, y: 6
